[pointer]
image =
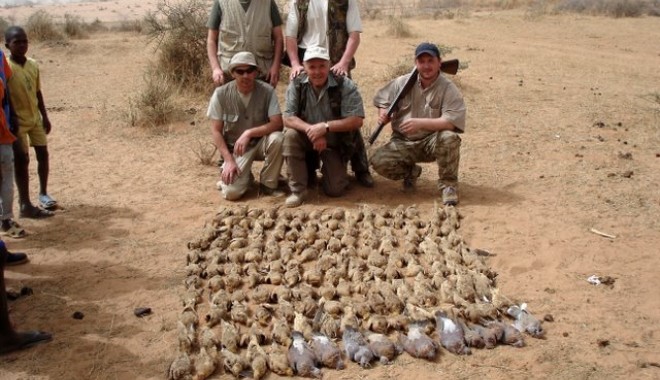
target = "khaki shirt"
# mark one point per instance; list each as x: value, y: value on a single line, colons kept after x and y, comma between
x: 441, y: 99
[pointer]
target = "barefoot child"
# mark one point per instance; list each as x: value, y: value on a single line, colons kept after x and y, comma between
x: 28, y: 103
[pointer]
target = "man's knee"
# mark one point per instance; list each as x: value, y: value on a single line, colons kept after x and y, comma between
x: 379, y: 161
x: 334, y: 189
x: 449, y: 140
x: 232, y: 193
x: 293, y: 144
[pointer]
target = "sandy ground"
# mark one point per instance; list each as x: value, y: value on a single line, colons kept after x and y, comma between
x: 537, y: 173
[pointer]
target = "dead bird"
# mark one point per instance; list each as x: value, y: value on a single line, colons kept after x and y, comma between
x: 233, y: 362
x: 181, y: 368
x: 383, y: 348
x: 278, y: 361
x: 257, y: 358
x: 490, y: 333
x: 525, y: 321
x: 302, y: 358
x: 326, y: 351
x: 281, y: 332
x: 417, y: 343
x: 356, y: 347
x: 472, y: 337
x: 452, y: 336
x: 186, y: 337
x: 230, y: 337
x: 205, y: 363
x: 506, y: 333
x: 302, y: 325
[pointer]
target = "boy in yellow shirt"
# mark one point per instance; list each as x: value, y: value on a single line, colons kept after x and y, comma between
x: 28, y: 104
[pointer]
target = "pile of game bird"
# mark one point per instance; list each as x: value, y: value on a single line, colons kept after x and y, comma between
x: 292, y: 291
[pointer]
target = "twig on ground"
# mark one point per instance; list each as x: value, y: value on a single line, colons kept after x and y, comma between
x: 603, y: 234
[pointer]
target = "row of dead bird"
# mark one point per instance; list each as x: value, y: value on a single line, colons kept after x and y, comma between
x: 298, y: 281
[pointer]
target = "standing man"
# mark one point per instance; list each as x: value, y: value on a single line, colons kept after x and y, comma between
x: 336, y: 26
x: 425, y: 128
x: 245, y: 25
x: 246, y: 125
x: 322, y: 113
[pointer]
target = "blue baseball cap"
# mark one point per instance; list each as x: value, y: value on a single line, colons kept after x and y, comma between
x: 427, y: 48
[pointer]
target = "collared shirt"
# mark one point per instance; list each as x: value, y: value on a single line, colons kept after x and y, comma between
x: 317, y: 108
x: 317, y: 23
x: 441, y: 99
x: 23, y: 87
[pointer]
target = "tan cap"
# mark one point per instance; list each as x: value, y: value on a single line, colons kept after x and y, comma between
x: 316, y: 52
x: 241, y: 59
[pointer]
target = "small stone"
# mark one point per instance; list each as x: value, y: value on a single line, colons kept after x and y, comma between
x: 549, y: 290
x: 627, y: 174
x: 564, y: 334
x: 548, y: 318
x: 26, y: 291
x: 78, y: 315
x: 603, y: 342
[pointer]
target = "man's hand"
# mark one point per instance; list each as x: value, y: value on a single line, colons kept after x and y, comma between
x: 229, y: 172
x: 315, y: 131
x: 218, y: 77
x: 273, y: 75
x: 383, y: 119
x: 340, y: 68
x: 320, y: 144
x: 295, y: 71
x: 411, y: 126
x: 242, y: 143
x: 47, y: 125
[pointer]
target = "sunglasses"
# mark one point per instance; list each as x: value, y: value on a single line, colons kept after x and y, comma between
x: 249, y: 70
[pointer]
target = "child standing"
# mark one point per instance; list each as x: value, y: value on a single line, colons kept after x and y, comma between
x: 33, y: 124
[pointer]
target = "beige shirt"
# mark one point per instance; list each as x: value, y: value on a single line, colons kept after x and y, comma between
x: 441, y: 99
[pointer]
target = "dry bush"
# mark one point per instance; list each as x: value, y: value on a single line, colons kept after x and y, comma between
x: 132, y: 26
x: 153, y: 106
x: 397, y: 28
x: 180, y: 32
x: 5, y: 23
x: 205, y: 152
x: 74, y: 27
x: 612, y: 8
x: 40, y: 27
x: 96, y: 26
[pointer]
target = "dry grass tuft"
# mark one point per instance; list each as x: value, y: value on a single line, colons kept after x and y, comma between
x: 40, y: 27
x: 397, y: 28
x: 611, y: 8
x: 74, y: 27
x: 205, y: 152
x: 153, y: 106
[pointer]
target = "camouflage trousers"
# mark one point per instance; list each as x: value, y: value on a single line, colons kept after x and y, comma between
x: 396, y: 159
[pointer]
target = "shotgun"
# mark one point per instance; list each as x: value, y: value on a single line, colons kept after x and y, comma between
x: 449, y: 67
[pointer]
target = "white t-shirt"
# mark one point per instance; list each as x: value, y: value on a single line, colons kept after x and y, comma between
x: 317, y: 22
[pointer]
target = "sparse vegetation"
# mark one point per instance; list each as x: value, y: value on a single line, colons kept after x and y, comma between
x: 397, y: 28
x: 612, y: 8
x: 74, y: 27
x: 4, y: 24
x: 205, y: 152
x: 153, y: 106
x: 41, y: 27
x: 135, y: 26
x: 180, y: 33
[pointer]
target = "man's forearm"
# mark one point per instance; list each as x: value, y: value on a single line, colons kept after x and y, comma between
x: 351, y: 47
x: 273, y: 125
x: 219, y: 141
x: 347, y: 124
x: 294, y: 122
x: 212, y: 49
x: 292, y: 51
x: 278, y: 41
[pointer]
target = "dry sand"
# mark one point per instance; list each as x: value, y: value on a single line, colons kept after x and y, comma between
x: 537, y: 173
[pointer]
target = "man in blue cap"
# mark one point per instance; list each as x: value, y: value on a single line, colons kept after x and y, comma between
x: 425, y: 127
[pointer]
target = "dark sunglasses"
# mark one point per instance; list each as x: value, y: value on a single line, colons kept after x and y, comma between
x: 249, y: 70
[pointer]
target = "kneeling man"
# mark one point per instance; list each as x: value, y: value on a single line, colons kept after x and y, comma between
x: 246, y: 125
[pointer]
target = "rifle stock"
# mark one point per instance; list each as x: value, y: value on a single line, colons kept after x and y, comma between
x: 449, y: 67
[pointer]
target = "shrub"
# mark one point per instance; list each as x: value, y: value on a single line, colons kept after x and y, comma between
x: 74, y: 27
x: 4, y: 24
x: 153, y: 106
x: 612, y: 8
x: 180, y: 32
x: 40, y: 27
x: 397, y: 28
x: 205, y: 152
x: 134, y: 26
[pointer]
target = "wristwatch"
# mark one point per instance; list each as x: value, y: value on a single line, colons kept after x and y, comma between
x: 327, y: 127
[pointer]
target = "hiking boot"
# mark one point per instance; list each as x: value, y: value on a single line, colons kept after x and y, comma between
x: 295, y: 199
x: 411, y: 179
x: 16, y: 258
x: 365, y: 179
x: 449, y: 196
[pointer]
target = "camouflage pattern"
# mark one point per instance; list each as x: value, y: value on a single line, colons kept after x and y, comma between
x: 396, y: 159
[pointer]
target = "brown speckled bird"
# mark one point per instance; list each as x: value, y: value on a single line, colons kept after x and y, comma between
x: 257, y: 358
x: 230, y: 337
x: 281, y: 332
x: 205, y: 363
x: 181, y: 368
x: 278, y: 361
x: 302, y: 358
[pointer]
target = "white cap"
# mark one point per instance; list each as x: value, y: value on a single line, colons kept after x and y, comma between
x: 316, y: 52
x: 241, y: 59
